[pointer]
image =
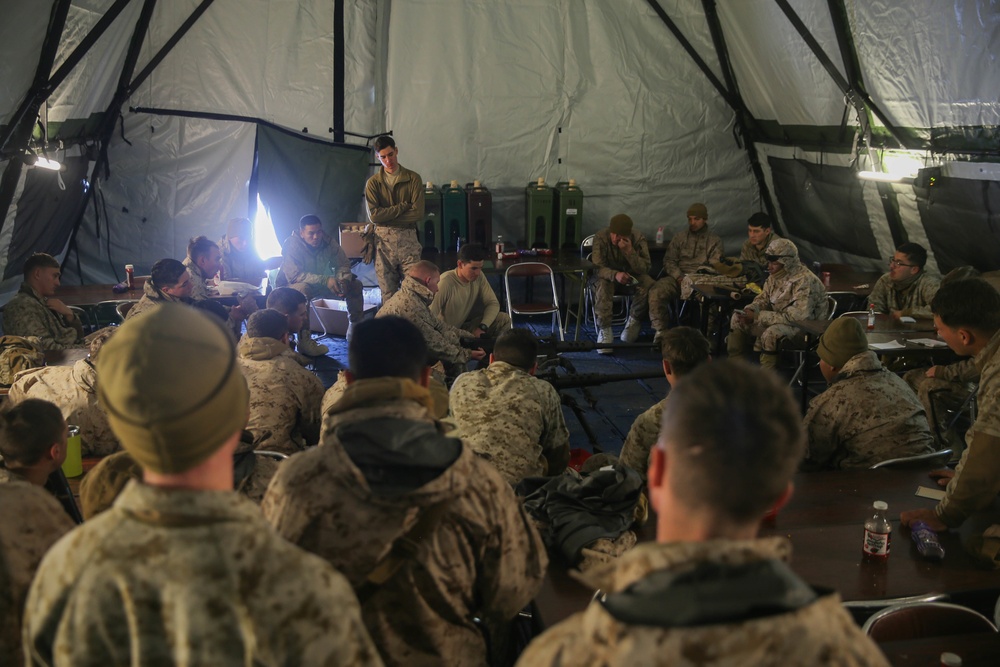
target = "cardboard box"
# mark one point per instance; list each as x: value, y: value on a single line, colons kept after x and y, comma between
x: 350, y: 238
x: 330, y: 315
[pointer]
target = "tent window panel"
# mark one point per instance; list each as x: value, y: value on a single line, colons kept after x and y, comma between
x: 298, y: 176
x: 962, y: 221
x: 823, y: 205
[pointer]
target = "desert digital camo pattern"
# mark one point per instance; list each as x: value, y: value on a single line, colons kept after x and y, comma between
x: 794, y: 293
x: 688, y: 253
x: 642, y: 438
x: 437, y: 389
x: 74, y: 390
x: 977, y: 476
x: 912, y: 299
x: 483, y: 558
x: 821, y: 633
x: 285, y: 398
x: 189, y: 577
x: 27, y: 315
x: 31, y: 521
x: 244, y: 266
x: 866, y: 415
x: 610, y: 259
x: 513, y: 420
x: 412, y: 302
x: 151, y: 297
x: 751, y: 252
x: 200, y: 289
x: 949, y: 388
x: 396, y: 209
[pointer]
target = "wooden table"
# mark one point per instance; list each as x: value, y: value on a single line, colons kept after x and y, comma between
x: 91, y: 295
x: 824, y: 521
x: 976, y: 650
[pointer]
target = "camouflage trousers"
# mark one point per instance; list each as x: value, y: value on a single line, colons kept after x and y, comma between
x: 353, y: 295
x: 396, y: 250
x: 940, y: 399
x: 604, y: 292
x: 744, y: 337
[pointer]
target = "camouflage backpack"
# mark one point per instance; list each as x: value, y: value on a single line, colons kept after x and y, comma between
x: 18, y: 354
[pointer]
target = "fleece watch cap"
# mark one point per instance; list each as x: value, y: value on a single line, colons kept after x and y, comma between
x: 171, y: 387
x: 239, y: 228
x: 841, y: 341
x: 698, y: 210
x: 621, y: 225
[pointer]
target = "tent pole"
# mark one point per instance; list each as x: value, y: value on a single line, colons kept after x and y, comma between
x: 744, y: 119
x: 167, y: 47
x: 338, y: 71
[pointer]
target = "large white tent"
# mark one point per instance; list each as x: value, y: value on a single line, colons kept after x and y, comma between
x: 173, y: 116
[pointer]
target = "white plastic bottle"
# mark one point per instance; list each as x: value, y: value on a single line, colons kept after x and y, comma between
x: 878, y: 534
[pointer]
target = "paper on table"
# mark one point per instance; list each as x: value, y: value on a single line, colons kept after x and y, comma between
x: 929, y: 342
x: 927, y: 492
x: 906, y: 319
x: 891, y: 345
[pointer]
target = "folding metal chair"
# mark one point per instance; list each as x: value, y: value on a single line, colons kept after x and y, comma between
x: 530, y: 271
x: 917, y: 620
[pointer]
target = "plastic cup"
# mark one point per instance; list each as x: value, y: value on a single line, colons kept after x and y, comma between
x: 73, y: 465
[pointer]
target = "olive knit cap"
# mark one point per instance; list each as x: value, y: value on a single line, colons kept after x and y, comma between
x: 239, y: 228
x: 171, y: 387
x: 698, y: 210
x: 842, y: 340
x: 621, y: 225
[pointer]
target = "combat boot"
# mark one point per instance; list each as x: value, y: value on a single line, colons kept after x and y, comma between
x: 605, y: 335
x: 309, y: 347
x: 657, y: 337
x: 630, y: 333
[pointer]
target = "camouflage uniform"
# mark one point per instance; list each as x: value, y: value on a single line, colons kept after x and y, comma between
x: 284, y: 397
x: 467, y: 305
x: 27, y: 315
x: 794, y: 293
x: 74, y: 390
x: 437, y: 388
x: 395, y: 210
x: 609, y: 260
x: 642, y: 438
x: 307, y: 269
x: 151, y: 297
x: 913, y: 298
x: 866, y: 415
x: 977, y: 477
x: 688, y: 253
x: 31, y: 521
x: 628, y: 628
x: 412, y: 302
x: 484, y: 557
x: 751, y: 252
x: 949, y: 387
x: 201, y: 290
x: 511, y: 419
x: 241, y: 266
x: 189, y: 577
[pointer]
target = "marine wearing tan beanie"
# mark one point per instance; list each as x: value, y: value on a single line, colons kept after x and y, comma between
x: 842, y: 340
x: 172, y: 388
x: 621, y: 225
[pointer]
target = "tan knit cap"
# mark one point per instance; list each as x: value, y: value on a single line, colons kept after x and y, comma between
x: 843, y: 339
x: 172, y: 388
x: 698, y: 210
x: 621, y: 225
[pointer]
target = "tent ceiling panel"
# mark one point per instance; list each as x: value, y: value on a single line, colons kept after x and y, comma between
x: 361, y: 94
x: 254, y: 58
x: 778, y: 75
x: 930, y: 63
x: 639, y: 127
x: 22, y: 31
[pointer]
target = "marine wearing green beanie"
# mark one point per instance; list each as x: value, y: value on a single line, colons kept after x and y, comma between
x: 171, y: 387
x: 698, y: 210
x: 842, y: 340
x: 621, y: 225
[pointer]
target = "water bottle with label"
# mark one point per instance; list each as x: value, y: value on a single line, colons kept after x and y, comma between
x: 878, y: 534
x: 871, y: 316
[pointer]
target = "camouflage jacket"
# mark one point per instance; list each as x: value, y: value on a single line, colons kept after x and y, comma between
x: 27, y: 315
x: 513, y: 420
x: 456, y: 301
x: 199, y: 282
x: 31, y: 521
x: 977, y: 477
x: 792, y: 294
x: 412, y: 302
x: 284, y: 397
x: 689, y: 251
x: 634, y: 625
x: 437, y: 389
x: 74, y: 390
x: 243, y: 266
x: 867, y: 414
x: 206, y: 558
x: 751, y: 252
x: 913, y: 299
x: 381, y: 463
x: 642, y: 438
x: 609, y: 258
x: 151, y: 297
x: 398, y: 205
x: 302, y: 263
